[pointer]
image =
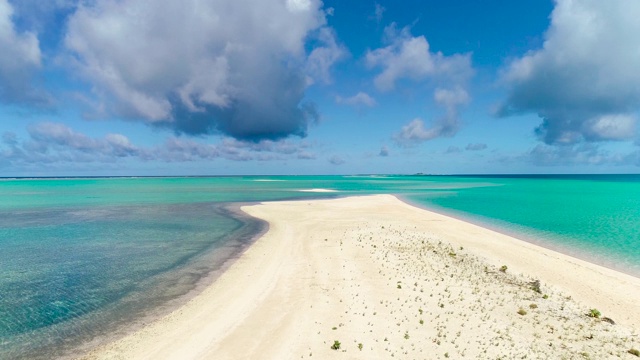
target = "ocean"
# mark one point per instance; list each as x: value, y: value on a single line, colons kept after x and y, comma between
x: 86, y: 259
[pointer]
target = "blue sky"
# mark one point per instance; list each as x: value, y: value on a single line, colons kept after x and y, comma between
x: 198, y: 87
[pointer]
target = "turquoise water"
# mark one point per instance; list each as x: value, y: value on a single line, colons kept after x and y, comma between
x: 80, y: 258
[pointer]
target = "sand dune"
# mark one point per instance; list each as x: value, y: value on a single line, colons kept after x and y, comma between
x: 386, y: 279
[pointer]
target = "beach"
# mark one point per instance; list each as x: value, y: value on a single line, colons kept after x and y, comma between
x: 386, y: 279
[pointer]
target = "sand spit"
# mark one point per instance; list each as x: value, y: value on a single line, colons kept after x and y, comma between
x: 388, y: 280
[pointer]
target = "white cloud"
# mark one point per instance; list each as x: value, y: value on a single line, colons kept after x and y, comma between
x: 20, y: 58
x: 51, y: 142
x: 359, y: 99
x: 409, y: 57
x: 583, y: 82
x: 298, y: 5
x: 415, y: 131
x: 239, y: 68
x: 321, y: 58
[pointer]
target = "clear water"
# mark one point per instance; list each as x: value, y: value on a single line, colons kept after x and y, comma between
x: 80, y: 258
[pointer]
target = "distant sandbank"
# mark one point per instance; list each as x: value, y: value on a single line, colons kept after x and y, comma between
x: 373, y: 277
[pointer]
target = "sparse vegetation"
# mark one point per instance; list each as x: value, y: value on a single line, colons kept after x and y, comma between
x: 503, y: 268
x: 336, y: 345
x: 594, y: 313
x: 535, y: 286
x: 522, y: 312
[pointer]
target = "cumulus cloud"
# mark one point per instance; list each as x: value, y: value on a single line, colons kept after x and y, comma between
x: 20, y: 58
x: 416, y: 132
x: 321, y: 58
x: 53, y: 142
x: 358, y: 100
x: 50, y: 142
x: 409, y: 57
x: 583, y: 82
x: 476, y: 147
x: 199, y: 67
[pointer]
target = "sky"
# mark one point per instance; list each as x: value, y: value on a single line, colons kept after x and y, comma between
x: 221, y: 87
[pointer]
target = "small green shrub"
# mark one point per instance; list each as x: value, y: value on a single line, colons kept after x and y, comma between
x: 336, y: 345
x: 533, y: 306
x: 594, y: 313
x: 503, y: 268
x: 545, y: 296
x: 406, y: 335
x: 522, y: 312
x: 535, y: 286
x: 635, y: 352
x: 360, y: 346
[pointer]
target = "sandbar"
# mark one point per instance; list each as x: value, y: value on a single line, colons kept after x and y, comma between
x: 386, y: 279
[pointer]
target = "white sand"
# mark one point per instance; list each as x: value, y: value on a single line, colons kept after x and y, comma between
x: 401, y: 281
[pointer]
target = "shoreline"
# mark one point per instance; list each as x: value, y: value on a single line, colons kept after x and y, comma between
x: 316, y: 253
x: 540, y: 240
x: 218, y: 259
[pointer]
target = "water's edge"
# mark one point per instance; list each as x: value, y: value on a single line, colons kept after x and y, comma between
x: 234, y: 245
x: 534, y: 239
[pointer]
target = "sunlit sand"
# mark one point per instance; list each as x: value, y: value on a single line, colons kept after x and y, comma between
x: 385, y: 279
